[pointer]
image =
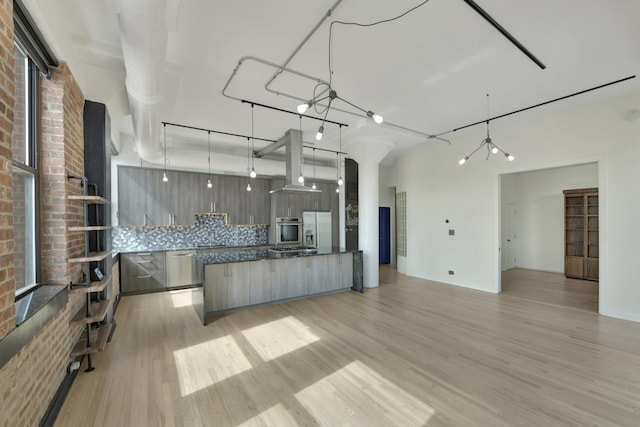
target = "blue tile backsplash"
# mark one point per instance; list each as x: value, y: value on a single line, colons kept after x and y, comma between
x: 210, y: 229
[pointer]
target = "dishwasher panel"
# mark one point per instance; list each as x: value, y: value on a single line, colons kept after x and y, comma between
x: 181, y: 268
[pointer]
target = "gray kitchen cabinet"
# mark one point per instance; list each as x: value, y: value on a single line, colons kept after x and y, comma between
x: 339, y: 268
x: 259, y: 202
x: 216, y: 287
x: 142, y: 272
x: 238, y: 284
x: 158, y: 208
x: 294, y: 281
x: 260, y: 280
x: 316, y: 274
x: 132, y: 196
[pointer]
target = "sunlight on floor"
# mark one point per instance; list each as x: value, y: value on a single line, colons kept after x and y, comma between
x: 277, y: 415
x: 203, y: 365
x: 358, y: 393
x: 272, y: 340
x: 181, y: 298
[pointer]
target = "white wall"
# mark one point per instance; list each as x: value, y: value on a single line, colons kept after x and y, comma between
x: 438, y: 189
x: 387, y: 198
x: 539, y: 202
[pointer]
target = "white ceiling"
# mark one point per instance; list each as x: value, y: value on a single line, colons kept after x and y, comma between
x: 428, y: 71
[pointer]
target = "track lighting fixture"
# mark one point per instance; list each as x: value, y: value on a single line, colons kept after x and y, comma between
x: 492, y: 148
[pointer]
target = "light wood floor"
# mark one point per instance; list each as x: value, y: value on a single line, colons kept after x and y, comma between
x: 551, y: 288
x: 410, y: 353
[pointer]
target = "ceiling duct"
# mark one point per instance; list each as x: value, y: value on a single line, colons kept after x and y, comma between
x: 292, y: 141
x: 143, y: 33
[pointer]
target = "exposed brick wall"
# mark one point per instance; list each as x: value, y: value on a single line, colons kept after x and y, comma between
x: 7, y: 284
x: 28, y: 382
x: 62, y: 154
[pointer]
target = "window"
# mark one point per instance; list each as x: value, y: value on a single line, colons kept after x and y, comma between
x: 25, y: 182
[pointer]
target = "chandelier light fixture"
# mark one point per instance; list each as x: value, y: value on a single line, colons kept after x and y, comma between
x: 492, y: 148
x: 333, y: 95
x: 165, y: 178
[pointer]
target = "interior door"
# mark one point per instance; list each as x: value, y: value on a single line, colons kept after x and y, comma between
x: 384, y: 235
x: 509, y: 247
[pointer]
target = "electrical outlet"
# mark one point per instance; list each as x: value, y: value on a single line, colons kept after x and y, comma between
x: 452, y: 232
x: 450, y: 272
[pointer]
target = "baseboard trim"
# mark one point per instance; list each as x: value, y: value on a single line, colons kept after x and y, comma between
x: 50, y: 416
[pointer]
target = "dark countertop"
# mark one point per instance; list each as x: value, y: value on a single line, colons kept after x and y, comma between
x: 259, y: 254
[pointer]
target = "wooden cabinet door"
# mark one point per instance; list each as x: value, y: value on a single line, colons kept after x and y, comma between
x: 260, y: 280
x: 215, y: 288
x: 238, y: 284
x: 132, y: 196
x: 316, y: 274
x: 158, y: 196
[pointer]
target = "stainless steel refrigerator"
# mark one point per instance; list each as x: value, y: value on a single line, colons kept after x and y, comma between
x: 316, y: 230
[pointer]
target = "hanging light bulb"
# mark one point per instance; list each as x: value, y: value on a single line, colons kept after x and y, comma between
x: 248, y: 187
x: 319, y: 134
x: 463, y: 161
x: 209, y: 184
x: 494, y: 149
x: 301, y: 178
x: 337, y: 189
x: 165, y: 178
x: 313, y: 186
x: 509, y: 157
x: 376, y: 118
x: 253, y: 173
x: 303, y: 107
x: 340, y: 181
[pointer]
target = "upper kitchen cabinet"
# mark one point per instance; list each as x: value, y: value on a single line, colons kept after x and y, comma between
x: 144, y: 199
x: 132, y: 196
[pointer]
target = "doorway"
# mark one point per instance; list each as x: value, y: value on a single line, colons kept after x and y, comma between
x: 384, y: 235
x: 532, y: 236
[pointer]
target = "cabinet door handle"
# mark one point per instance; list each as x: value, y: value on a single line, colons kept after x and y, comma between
x: 145, y: 262
x: 146, y: 276
x: 144, y: 254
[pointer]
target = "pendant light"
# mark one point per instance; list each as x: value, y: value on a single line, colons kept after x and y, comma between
x: 248, y: 161
x: 340, y: 181
x: 301, y: 177
x: 209, y: 184
x: 252, y: 174
x: 492, y: 148
x: 165, y: 178
x: 338, y: 172
x: 313, y: 186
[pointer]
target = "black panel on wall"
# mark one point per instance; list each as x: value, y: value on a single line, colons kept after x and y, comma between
x: 351, y: 203
x: 97, y: 169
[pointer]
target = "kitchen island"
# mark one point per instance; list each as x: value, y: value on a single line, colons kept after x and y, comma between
x: 233, y: 280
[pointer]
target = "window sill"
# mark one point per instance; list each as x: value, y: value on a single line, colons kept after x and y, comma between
x: 34, y: 310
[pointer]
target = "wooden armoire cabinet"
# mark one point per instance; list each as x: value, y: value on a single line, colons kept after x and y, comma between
x: 581, y: 251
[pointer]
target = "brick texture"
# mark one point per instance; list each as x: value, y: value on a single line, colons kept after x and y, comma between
x: 7, y: 280
x: 28, y: 382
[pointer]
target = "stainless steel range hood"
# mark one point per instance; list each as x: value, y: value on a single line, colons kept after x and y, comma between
x: 292, y: 141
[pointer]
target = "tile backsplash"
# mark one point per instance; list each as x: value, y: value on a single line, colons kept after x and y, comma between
x: 210, y: 229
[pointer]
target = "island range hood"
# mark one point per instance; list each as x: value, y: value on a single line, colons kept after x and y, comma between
x: 292, y: 141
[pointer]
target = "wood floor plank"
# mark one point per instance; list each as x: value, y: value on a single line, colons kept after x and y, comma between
x: 409, y: 353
